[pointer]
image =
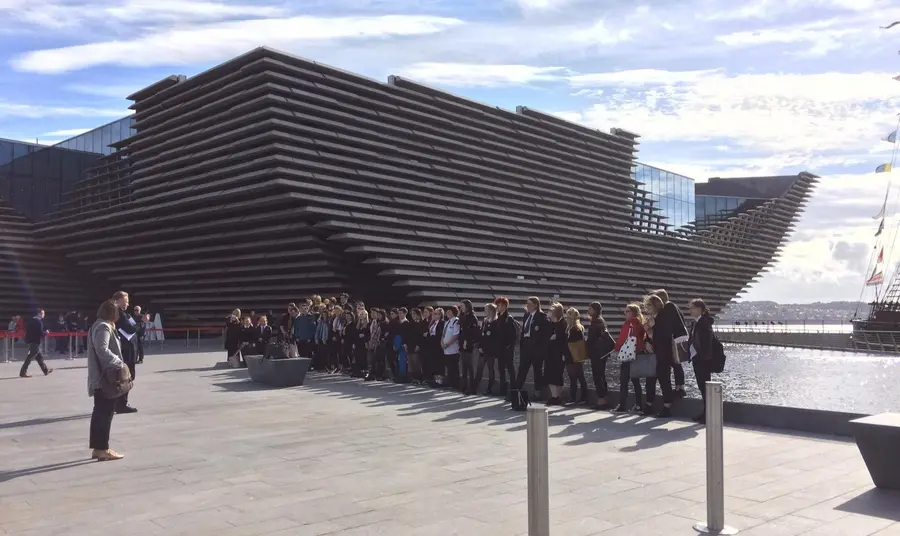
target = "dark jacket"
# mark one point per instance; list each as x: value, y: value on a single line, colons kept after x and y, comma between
x: 262, y: 335
x: 538, y: 331
x: 304, y: 327
x: 701, y: 337
x: 124, y: 324
x: 469, y: 332
x: 361, y: 340
x: 559, y: 341
x: 669, y: 324
x: 599, y: 341
x: 232, y: 334
x: 490, y: 338
x: 34, y: 331
x: 508, y: 335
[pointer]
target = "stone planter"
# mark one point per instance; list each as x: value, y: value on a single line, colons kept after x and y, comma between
x: 877, y: 437
x: 277, y: 372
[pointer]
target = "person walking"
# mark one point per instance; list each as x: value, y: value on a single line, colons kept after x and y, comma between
x: 103, y: 353
x: 34, y: 336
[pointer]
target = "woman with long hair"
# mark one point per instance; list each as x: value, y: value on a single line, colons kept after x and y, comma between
x: 575, y: 356
x: 663, y: 346
x: 557, y: 354
x: 103, y: 354
x: 232, y: 335
x: 435, y: 353
x: 600, y: 345
x: 415, y: 335
x: 322, y: 336
x: 488, y: 347
x: 348, y: 339
x: 633, y: 327
x: 375, y: 327
x: 360, y: 343
x: 334, y: 342
x: 700, y: 345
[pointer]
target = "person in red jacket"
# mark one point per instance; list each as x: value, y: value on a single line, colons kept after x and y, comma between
x: 628, y: 345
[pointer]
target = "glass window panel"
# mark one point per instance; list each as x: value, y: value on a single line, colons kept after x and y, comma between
x: 676, y: 186
x: 6, y: 153
x: 79, y: 143
x: 710, y: 206
x: 98, y: 140
x: 22, y: 161
x: 721, y: 206
x: 689, y: 214
x: 106, y: 137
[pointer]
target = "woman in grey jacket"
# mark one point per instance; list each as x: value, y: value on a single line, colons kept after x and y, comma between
x: 103, y: 353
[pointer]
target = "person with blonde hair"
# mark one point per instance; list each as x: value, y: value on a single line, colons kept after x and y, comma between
x: 361, y: 344
x: 576, y: 356
x: 662, y: 336
x: 557, y: 354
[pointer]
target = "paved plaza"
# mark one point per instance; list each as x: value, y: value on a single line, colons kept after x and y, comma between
x: 211, y: 453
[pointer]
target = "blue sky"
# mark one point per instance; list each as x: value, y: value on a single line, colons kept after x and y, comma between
x: 714, y: 87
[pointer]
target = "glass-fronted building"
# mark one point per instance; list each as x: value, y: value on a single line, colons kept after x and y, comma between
x: 33, y: 178
x: 99, y: 139
x: 672, y: 194
x: 714, y: 209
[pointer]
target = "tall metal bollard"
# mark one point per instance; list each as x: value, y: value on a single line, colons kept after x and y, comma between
x: 187, y: 338
x: 715, y: 465
x: 538, y: 472
x: 71, y: 354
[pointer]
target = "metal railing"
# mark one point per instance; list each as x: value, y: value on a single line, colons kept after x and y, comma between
x: 77, y: 340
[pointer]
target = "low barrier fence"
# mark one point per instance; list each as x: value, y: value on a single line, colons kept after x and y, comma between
x: 77, y: 340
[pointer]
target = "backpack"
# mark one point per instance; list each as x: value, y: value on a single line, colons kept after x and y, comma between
x: 519, y: 399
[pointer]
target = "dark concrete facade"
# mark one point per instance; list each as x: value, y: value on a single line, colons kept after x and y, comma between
x: 271, y: 177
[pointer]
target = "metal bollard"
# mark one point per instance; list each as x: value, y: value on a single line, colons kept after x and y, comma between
x: 538, y: 471
x: 715, y: 465
x: 187, y: 338
x: 198, y: 338
x: 71, y: 356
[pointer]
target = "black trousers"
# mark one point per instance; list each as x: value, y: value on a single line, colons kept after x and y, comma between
x: 101, y: 420
x: 140, y: 348
x: 529, y: 357
x: 122, y: 401
x: 479, y: 371
x: 505, y: 366
x: 451, y: 368
x: 34, y: 353
x: 598, y: 371
x: 625, y: 378
x: 679, y: 374
x: 467, y: 362
x: 360, y: 359
x: 703, y: 374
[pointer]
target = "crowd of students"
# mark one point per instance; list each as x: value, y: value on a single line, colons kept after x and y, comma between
x: 450, y: 348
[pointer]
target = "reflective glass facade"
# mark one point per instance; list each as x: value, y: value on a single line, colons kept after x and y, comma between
x: 672, y: 194
x: 714, y: 209
x: 98, y: 140
x: 33, y: 177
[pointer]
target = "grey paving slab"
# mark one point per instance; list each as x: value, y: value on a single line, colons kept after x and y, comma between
x: 212, y: 453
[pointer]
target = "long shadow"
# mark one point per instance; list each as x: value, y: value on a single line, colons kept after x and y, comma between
x: 493, y: 411
x: 875, y: 503
x: 10, y: 475
x: 43, y: 420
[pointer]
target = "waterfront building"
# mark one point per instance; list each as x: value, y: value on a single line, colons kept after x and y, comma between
x: 270, y: 177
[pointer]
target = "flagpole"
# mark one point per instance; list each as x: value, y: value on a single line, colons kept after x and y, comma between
x: 887, y: 266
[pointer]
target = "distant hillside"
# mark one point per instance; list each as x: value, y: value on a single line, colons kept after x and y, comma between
x: 830, y: 312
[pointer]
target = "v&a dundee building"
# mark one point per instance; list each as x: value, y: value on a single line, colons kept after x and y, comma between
x: 271, y: 177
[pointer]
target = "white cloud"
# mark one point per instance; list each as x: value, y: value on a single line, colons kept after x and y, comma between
x: 67, y: 133
x: 61, y: 14
x: 469, y: 75
x: 542, y: 5
x: 10, y: 109
x: 786, y: 120
x: 107, y: 90
x: 223, y: 40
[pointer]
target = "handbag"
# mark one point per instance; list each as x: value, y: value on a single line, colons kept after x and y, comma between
x: 114, y: 382
x: 291, y: 350
x: 643, y: 366
x: 578, y: 349
x: 628, y: 352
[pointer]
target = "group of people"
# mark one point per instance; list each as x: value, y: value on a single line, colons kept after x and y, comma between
x: 450, y: 347
x: 36, y: 329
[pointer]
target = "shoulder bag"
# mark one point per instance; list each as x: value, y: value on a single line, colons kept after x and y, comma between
x: 628, y: 351
x: 114, y: 382
x: 578, y: 350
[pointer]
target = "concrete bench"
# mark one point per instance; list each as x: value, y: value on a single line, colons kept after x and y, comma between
x: 878, y: 439
x: 277, y: 372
